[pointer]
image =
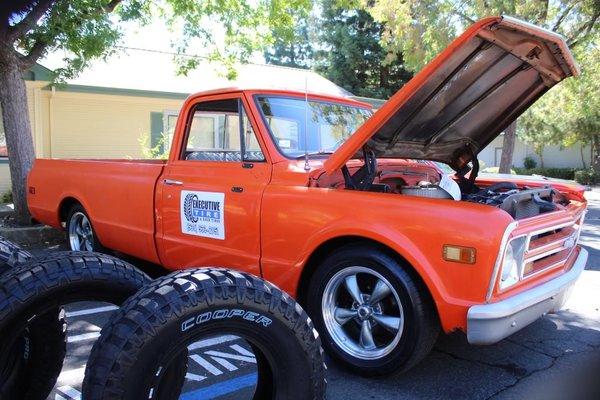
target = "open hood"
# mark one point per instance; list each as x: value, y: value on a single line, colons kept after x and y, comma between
x: 466, y: 96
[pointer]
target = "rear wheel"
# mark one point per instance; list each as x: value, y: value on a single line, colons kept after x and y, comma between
x: 375, y: 318
x: 80, y: 232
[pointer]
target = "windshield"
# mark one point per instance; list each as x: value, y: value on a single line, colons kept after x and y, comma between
x: 329, y: 124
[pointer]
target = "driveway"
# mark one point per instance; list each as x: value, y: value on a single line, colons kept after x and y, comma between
x: 557, y: 357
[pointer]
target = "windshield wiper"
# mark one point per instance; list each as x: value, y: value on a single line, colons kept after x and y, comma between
x: 315, y: 153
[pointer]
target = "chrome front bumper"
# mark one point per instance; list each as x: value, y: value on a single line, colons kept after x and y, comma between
x: 490, y: 323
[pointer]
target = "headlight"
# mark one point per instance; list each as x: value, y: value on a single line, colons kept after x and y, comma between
x: 512, y: 266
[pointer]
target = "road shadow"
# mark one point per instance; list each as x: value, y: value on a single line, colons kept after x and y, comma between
x: 457, y: 370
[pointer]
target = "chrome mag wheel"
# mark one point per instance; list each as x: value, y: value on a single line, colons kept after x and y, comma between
x: 363, y: 313
x: 81, y: 235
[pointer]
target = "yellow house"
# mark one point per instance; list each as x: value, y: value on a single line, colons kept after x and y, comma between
x: 110, y: 109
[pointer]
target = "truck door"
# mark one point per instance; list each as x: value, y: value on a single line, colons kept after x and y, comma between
x: 211, y: 191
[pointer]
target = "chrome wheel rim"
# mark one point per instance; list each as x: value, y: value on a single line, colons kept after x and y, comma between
x: 363, y: 313
x: 81, y: 236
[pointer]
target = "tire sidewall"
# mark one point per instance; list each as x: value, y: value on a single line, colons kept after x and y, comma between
x: 284, y: 361
x: 397, y: 277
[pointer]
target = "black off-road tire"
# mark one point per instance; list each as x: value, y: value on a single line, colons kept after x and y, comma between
x: 131, y: 356
x: 421, y: 323
x: 37, y: 358
x: 36, y: 290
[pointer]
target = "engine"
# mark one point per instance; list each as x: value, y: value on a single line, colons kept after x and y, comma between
x: 519, y: 203
x: 422, y: 180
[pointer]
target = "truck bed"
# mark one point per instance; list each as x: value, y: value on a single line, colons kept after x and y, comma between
x: 117, y: 194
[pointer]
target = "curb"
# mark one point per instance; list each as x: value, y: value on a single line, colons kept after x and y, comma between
x: 32, y: 236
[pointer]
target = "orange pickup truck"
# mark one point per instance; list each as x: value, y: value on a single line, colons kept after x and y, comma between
x: 345, y: 209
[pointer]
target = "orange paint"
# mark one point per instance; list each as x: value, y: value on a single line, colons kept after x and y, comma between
x: 278, y: 219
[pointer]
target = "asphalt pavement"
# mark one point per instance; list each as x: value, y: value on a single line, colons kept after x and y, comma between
x: 556, y: 357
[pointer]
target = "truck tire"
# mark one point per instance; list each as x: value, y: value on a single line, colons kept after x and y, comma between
x: 81, y: 235
x: 37, y: 359
x: 32, y: 350
x: 130, y: 361
x: 374, y: 316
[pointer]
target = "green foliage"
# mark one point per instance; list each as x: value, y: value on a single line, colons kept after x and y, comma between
x: 529, y: 162
x: 293, y: 46
x: 226, y: 31
x: 587, y: 176
x: 6, y: 197
x: 420, y: 29
x: 569, y: 113
x: 351, y: 53
x: 156, y: 151
x: 559, y: 173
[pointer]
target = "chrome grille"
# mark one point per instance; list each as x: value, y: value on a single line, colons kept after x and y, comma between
x: 550, y: 247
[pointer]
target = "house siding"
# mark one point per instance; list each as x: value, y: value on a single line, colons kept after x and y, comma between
x: 554, y: 156
x: 102, y: 126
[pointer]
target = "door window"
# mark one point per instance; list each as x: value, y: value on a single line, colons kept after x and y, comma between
x: 221, y: 131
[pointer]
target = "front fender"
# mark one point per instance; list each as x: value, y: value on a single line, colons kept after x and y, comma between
x: 298, y: 221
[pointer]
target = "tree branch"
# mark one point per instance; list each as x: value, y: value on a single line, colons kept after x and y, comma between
x: 584, y: 30
x: 110, y: 7
x: 30, y: 20
x: 465, y: 17
x: 562, y: 16
x: 37, y: 51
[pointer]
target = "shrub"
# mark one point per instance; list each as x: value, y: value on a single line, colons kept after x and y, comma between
x: 6, y: 197
x: 587, y: 176
x: 559, y: 173
x: 529, y: 162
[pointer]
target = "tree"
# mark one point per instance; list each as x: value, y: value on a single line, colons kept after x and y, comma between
x: 420, y: 29
x: 351, y: 54
x: 292, y: 46
x: 88, y: 29
x: 570, y: 112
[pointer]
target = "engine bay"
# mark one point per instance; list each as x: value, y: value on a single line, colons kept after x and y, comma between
x: 424, y: 179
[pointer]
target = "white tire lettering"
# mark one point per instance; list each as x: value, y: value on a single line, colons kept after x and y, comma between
x: 225, y: 313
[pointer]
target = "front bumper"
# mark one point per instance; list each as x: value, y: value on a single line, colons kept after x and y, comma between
x: 490, y: 323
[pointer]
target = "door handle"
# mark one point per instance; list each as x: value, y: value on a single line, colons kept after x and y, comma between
x: 173, y: 182
x: 237, y: 189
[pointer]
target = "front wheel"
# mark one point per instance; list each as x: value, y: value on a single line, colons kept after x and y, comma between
x: 375, y: 318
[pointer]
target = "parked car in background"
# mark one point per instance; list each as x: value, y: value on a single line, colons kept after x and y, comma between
x: 343, y: 209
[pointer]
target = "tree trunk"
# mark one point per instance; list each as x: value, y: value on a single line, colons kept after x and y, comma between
x: 508, y: 148
x: 17, y: 128
x: 596, y: 153
x: 582, y: 157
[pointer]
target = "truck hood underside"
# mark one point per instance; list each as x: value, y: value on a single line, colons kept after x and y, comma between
x: 465, y: 97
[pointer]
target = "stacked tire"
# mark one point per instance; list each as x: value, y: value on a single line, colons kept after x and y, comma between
x: 32, y: 328
x: 142, y: 350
